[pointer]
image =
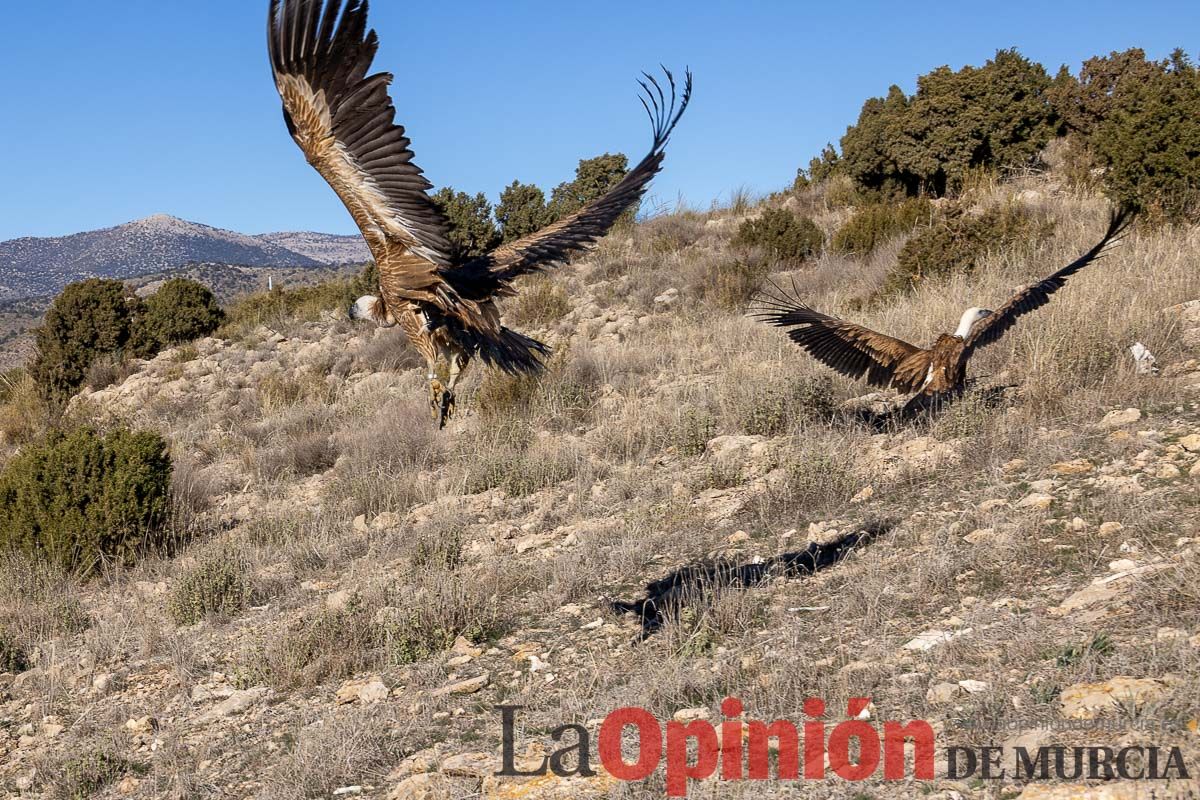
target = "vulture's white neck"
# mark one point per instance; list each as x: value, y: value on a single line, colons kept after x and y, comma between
x: 969, y: 318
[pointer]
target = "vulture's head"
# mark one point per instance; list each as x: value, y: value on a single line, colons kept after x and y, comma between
x: 969, y: 319
x: 372, y: 308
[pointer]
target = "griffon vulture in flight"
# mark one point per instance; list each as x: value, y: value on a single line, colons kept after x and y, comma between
x: 929, y: 373
x: 344, y: 121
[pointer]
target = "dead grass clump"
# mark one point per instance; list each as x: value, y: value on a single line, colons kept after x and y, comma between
x: 562, y: 395
x: 671, y: 233
x: 108, y: 370
x: 387, y: 351
x: 384, y: 626
x: 278, y: 391
x: 692, y: 430
x: 23, y: 414
x: 522, y: 471
x: 731, y: 283
x: 778, y: 408
x: 540, y: 301
x: 360, y: 746
x: 41, y: 602
x: 303, y: 454
x: 86, y: 775
x: 219, y: 586
x: 13, y: 657
x: 438, y: 544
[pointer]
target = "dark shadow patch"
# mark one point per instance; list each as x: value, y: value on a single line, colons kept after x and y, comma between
x: 667, y: 596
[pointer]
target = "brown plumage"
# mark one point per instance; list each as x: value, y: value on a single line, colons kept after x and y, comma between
x: 344, y: 121
x: 886, y: 362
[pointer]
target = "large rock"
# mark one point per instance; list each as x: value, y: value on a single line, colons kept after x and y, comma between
x: 1090, y: 700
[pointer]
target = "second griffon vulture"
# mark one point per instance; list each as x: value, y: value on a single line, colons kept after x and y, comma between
x: 344, y: 121
x: 929, y: 373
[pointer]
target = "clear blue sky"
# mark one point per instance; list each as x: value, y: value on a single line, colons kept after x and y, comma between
x: 118, y: 110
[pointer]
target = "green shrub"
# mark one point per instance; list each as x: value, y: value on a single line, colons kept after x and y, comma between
x: 13, y: 657
x: 81, y: 498
x: 959, y: 241
x: 593, y: 178
x: 781, y: 234
x: 88, y: 319
x: 874, y: 224
x: 218, y: 586
x: 1150, y: 143
x: 472, y: 230
x: 180, y: 311
x: 522, y: 211
x: 993, y: 117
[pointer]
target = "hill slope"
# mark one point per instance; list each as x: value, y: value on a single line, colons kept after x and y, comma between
x: 391, y: 585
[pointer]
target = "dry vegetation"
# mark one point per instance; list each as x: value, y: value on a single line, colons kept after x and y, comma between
x: 337, y: 537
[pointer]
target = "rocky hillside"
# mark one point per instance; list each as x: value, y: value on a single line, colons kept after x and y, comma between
x: 36, y: 267
x: 356, y: 592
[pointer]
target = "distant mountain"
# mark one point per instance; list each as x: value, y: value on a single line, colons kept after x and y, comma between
x: 37, y: 267
x: 323, y: 247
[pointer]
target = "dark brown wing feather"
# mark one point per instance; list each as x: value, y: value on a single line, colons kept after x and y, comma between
x: 492, y: 274
x: 1036, y: 295
x: 852, y: 350
x: 344, y: 121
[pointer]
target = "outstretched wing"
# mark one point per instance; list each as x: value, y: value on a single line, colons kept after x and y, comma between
x: 851, y: 349
x: 1036, y: 295
x: 492, y: 273
x: 344, y: 121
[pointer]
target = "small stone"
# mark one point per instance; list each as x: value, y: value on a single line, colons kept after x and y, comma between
x: 367, y: 691
x: 988, y: 506
x: 973, y: 686
x: 339, y: 600
x: 1119, y: 419
x: 140, y: 725
x: 863, y: 496
x: 1016, y: 465
x: 128, y: 785
x: 980, y: 535
x: 469, y: 686
x: 1194, y: 472
x: 1037, y: 500
x: 236, y: 703
x: 942, y: 693
x: 686, y: 715
x: 1167, y: 471
x: 739, y: 537
x: 1078, y: 525
x: 931, y: 639
x: 1080, y: 466
x: 360, y: 524
x: 1122, y: 565
x: 1109, y: 528
x: 1191, y: 443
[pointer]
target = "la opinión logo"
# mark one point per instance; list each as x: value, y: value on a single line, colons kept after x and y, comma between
x: 742, y: 750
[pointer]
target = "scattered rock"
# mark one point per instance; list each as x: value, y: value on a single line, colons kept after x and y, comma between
x: 1080, y: 466
x: 1037, y: 500
x: 1089, y: 700
x: 236, y: 703
x: 1119, y: 419
x: 931, y: 639
x: 469, y: 686
x: 943, y: 693
x: 364, y: 690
